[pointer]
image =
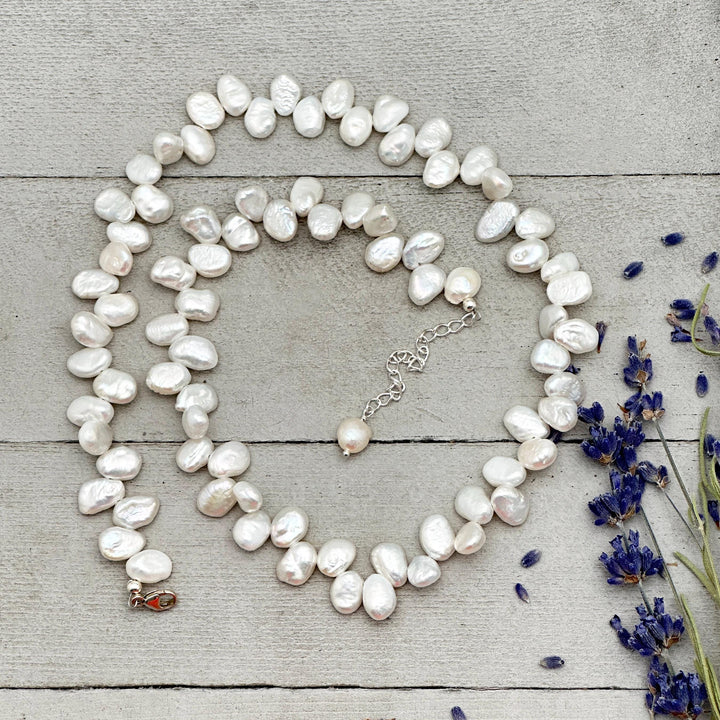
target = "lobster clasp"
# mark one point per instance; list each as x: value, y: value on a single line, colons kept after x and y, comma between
x: 156, y: 600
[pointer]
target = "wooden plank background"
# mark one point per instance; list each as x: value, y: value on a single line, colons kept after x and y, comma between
x: 604, y: 113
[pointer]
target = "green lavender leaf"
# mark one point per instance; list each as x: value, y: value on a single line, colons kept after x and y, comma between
x: 699, y: 574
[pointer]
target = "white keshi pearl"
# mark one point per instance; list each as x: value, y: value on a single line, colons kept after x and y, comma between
x: 297, y: 564
x: 89, y: 407
x: 198, y: 144
x: 305, y: 194
x: 280, y: 221
x: 89, y: 330
x: 239, y: 233
x: 549, y: 318
x: 461, y: 284
x: 143, y: 169
x: 113, y: 205
x: 205, y: 110
x: 285, y: 92
x: 346, y: 592
x: 437, y: 537
x: 288, y: 526
x: 434, y: 135
x: 527, y: 256
x: 136, y: 511
x: 95, y: 496
x: 397, y: 147
x: 133, y: 234
x: 251, y: 201
x: 472, y: 503
x: 167, y: 147
x: 173, y: 272
x: 193, y: 454
x: 384, y: 253
x: 389, y: 560
x: 260, y: 119
x: 577, y: 335
x: 116, y: 259
x: 149, y: 566
x: 476, y: 162
x: 119, y: 463
x: 422, y: 248
x: 469, y: 539
x: 566, y: 385
x: 426, y: 283
x: 337, y: 98
x: 248, y: 497
x: 91, y: 284
x: 118, y: 543
x: 252, y: 530
x: 523, y: 423
x: 548, y: 357
x: 511, y: 505
x: 335, y: 557
x: 152, y: 204
x: 116, y: 309
x: 379, y: 598
x: 163, y: 330
x: 354, y: 207
x: 353, y: 435
x: 89, y: 362
x: 209, y: 261
x: 558, y: 412
x: 496, y: 184
x: 95, y: 437
x: 202, y: 394
x: 441, y: 169
x: 115, y: 386
x: 324, y: 222
x: 309, y: 117
x: 559, y: 265
x: 356, y: 126
x: 234, y: 95
x: 231, y: 459
x: 388, y: 112
x: 167, y: 378
x: 534, y: 222
x: 379, y: 220
x: 537, y: 454
x: 570, y: 288
x: 500, y: 470
x: 217, y: 498
x: 195, y: 422
x: 202, y: 223
x: 497, y: 221
x: 193, y: 351
x: 201, y: 305
x: 423, y: 571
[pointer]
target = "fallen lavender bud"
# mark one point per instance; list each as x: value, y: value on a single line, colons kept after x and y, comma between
x: 710, y: 262
x: 601, y: 327
x: 522, y: 593
x: 457, y: 714
x: 552, y: 662
x: 530, y: 558
x: 673, y: 239
x: 701, y: 385
x: 633, y: 269
x: 680, y: 335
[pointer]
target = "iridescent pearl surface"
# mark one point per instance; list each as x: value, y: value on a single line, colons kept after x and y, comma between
x: 537, y: 454
x: 437, y: 537
x: 510, y: 504
x: 423, y: 571
x: 335, y: 557
x: 252, y: 530
x: 549, y: 357
x: 149, y: 566
x: 346, y: 592
x: 472, y: 503
x: 353, y: 435
x: 379, y: 599
x: 497, y: 221
x: 434, y: 135
x: 441, y: 169
x: 297, y: 564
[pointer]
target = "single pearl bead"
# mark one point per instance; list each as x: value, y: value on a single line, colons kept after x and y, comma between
x: 297, y: 564
x: 384, y: 253
x: 149, y: 566
x: 116, y: 543
x: 234, y: 95
x: 115, y: 386
x: 133, y: 234
x: 195, y: 422
x: 558, y: 412
x: 527, y: 256
x: 511, y: 505
x: 116, y: 259
x: 426, y: 283
x: 288, y: 527
x: 198, y: 144
x: 201, y: 305
x: 251, y: 201
x: 89, y: 362
x: 163, y: 330
x: 239, y: 233
x: 167, y: 378
x: 356, y: 126
x: 576, y: 335
x: 379, y: 220
x: 389, y: 560
x: 441, y: 169
x: 95, y: 496
x: 305, y: 194
x: 388, y: 112
x: 469, y: 539
x: 216, y: 498
x: 280, y: 221
x: 143, y: 169
x: 194, y: 454
x: 337, y: 98
x: 567, y: 385
x: 423, y: 571
x: 335, y: 557
x: 422, y: 248
x: 572, y: 288
x: 252, y: 530
x: 353, y: 435
x: 397, y: 147
x: 550, y: 317
x: 354, y: 207
x: 434, y: 135
x: 116, y: 309
x: 119, y: 463
x: 91, y: 284
x: 95, y: 437
x: 500, y: 470
x: 285, y: 92
x: 523, y: 423
x: 461, y: 284
x: 136, y: 511
x: 209, y: 261
x: 167, y: 147
x: 548, y: 357
x: 114, y: 205
x: 473, y: 504
x: 379, y: 598
x: 153, y: 205
x: 89, y: 330
x: 497, y: 221
x: 205, y: 110
x: 248, y: 497
x: 534, y: 222
x: 476, y: 162
x: 437, y: 537
x: 309, y: 117
x: 496, y: 184
x: 202, y: 394
x: 324, y: 222
x: 202, y: 223
x: 537, y: 454
x: 260, y: 119
x: 559, y: 264
x: 346, y: 592
x: 89, y: 407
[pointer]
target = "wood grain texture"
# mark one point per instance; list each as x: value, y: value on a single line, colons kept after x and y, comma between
x: 561, y: 89
x: 237, y: 626
x: 337, y: 704
x: 305, y: 328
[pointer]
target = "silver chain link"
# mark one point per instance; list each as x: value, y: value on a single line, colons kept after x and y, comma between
x: 415, y: 361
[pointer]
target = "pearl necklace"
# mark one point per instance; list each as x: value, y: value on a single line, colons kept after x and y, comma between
x: 566, y: 285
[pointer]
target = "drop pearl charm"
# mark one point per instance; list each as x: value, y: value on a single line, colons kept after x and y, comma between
x: 353, y: 435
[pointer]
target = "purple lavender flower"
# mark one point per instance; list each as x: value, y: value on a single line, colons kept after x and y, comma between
x: 621, y: 503
x: 631, y: 565
x: 714, y: 512
x: 593, y: 415
x: 709, y: 262
x: 680, y: 335
x: 655, y: 633
x: 457, y: 714
x: 654, y: 475
x: 603, y: 445
x: 639, y: 370
x: 701, y: 384
x: 652, y: 406
x: 681, y: 695
x: 673, y: 239
x: 633, y: 269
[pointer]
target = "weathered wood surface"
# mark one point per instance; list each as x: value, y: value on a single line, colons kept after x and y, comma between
x: 587, y: 89
x: 560, y: 88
